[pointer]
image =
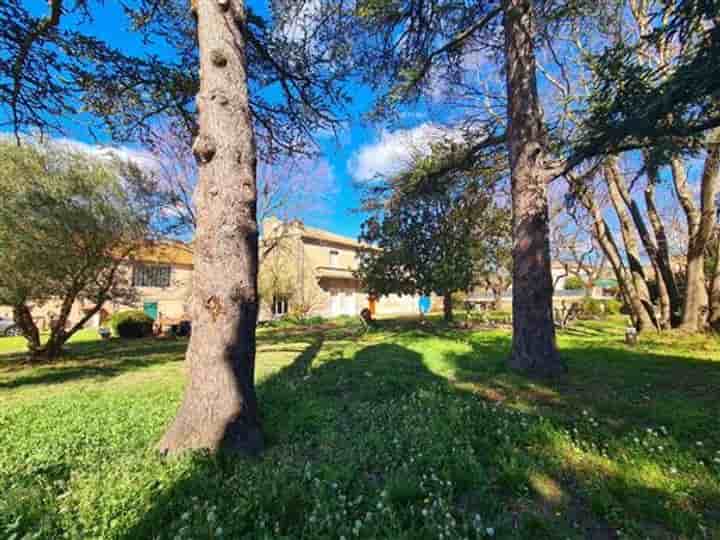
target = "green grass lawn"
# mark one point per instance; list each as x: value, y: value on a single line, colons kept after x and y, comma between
x: 404, y: 432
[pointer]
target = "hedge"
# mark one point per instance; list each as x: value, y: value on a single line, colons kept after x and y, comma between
x: 131, y: 324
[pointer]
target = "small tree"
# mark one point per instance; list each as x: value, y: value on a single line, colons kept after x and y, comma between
x: 427, y: 232
x: 66, y: 222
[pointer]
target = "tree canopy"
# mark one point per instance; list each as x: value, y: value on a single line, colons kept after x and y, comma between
x: 66, y: 222
x: 432, y: 237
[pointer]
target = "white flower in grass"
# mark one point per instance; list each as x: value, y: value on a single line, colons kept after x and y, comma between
x: 699, y: 443
x: 490, y: 531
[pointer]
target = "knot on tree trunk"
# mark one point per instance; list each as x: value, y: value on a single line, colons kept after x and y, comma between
x: 244, y: 294
x: 214, y: 306
x: 220, y: 98
x: 218, y: 58
x: 204, y: 148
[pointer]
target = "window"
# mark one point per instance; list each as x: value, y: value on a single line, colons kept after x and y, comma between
x: 334, y: 257
x: 279, y: 305
x: 151, y: 276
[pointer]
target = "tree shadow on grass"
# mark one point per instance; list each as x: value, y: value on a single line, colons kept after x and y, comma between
x: 94, y: 359
x: 355, y: 423
x: 634, y: 388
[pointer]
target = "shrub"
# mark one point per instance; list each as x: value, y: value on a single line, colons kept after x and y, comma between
x: 573, y: 283
x: 613, y: 307
x: 591, y: 307
x: 131, y: 324
x: 458, y: 299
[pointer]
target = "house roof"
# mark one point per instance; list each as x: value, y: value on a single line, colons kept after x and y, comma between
x: 311, y: 233
x: 164, y: 252
x: 336, y: 273
x: 275, y: 228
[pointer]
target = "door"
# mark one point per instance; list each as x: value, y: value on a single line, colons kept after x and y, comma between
x: 349, y: 304
x: 334, y: 304
x: 151, y: 310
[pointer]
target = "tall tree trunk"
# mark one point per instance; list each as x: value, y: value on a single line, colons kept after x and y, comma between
x: 665, y: 312
x: 533, y: 348
x: 447, y: 307
x: 640, y: 316
x: 612, y: 177
x: 715, y: 291
x: 663, y: 251
x: 663, y: 273
x: 219, y: 409
x: 700, y: 225
x: 23, y: 319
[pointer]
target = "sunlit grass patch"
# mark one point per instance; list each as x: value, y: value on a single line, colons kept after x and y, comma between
x: 406, y: 431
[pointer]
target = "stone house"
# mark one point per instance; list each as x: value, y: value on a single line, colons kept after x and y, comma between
x: 303, y: 270
x: 160, y: 276
x: 310, y: 271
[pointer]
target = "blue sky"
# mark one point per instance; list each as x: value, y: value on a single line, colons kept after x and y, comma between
x: 359, y: 151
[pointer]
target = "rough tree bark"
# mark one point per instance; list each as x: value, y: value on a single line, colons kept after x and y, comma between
x: 219, y: 409
x: 611, y: 172
x: 669, y: 298
x: 23, y: 318
x: 700, y: 223
x: 663, y: 247
x: 715, y: 291
x: 534, y: 350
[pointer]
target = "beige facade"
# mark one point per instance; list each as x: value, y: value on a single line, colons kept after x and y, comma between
x: 309, y: 271
x: 303, y: 271
x: 160, y: 276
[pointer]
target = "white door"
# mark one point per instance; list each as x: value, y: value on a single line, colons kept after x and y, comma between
x: 349, y: 304
x: 335, y: 304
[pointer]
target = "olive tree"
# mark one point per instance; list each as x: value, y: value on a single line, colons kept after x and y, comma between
x: 66, y: 223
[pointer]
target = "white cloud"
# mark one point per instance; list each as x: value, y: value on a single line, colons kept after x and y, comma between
x: 140, y: 157
x: 143, y: 158
x: 394, y: 150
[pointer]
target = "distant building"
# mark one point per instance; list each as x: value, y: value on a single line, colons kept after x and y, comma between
x: 160, y: 274
x: 560, y: 277
x: 303, y: 270
x: 312, y: 271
